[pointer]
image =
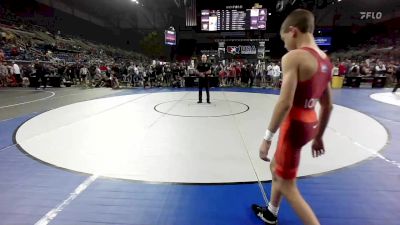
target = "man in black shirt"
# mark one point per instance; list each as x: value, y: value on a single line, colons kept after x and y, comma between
x: 40, y: 75
x: 204, y: 70
x: 397, y: 74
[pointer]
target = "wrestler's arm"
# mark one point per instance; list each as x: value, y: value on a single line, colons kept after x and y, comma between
x: 290, y: 68
x: 325, y: 111
x: 317, y: 146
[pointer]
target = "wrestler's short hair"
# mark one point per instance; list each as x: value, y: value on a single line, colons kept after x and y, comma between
x: 301, y: 19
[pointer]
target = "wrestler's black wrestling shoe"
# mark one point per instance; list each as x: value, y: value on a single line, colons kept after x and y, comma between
x: 265, y: 215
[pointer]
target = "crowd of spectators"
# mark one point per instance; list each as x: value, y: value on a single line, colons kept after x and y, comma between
x: 136, y: 74
x: 29, y: 52
x: 379, y: 56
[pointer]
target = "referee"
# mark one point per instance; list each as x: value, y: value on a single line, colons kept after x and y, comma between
x: 204, y: 70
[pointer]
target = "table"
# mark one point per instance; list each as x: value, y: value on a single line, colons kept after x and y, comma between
x: 376, y: 82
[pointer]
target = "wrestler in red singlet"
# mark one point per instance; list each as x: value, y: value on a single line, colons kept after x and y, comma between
x: 306, y: 79
x: 301, y: 124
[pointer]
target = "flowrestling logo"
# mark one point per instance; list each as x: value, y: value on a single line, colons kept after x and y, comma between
x: 371, y: 15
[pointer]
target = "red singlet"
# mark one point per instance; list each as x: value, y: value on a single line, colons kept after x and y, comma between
x: 300, y: 126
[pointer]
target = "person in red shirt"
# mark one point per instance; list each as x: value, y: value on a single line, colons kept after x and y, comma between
x: 307, y: 73
x: 238, y: 73
x: 342, y: 69
x: 222, y: 76
x: 11, y: 81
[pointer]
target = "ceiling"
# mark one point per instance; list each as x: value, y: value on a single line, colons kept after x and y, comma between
x: 148, y: 14
x: 160, y: 14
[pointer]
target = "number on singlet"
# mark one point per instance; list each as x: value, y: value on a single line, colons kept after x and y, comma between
x: 310, y: 103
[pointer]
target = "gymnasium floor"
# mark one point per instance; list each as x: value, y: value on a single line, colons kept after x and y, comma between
x: 148, y: 157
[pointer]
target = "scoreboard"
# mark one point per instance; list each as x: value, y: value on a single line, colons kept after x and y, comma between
x: 170, y: 37
x: 233, y: 19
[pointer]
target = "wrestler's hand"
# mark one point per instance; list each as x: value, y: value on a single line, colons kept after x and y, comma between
x: 264, y: 148
x: 317, y: 148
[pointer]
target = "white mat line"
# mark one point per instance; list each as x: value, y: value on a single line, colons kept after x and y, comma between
x: 60, y: 96
x: 46, y: 219
x: 7, y: 147
x: 5, y: 120
x: 263, y: 193
x: 28, y: 102
x: 34, y: 136
x: 87, y: 117
x: 132, y: 100
x: 11, y: 90
x: 89, y: 90
x: 370, y: 150
x: 146, y: 132
x: 378, y: 155
x: 381, y: 118
x: 164, y: 114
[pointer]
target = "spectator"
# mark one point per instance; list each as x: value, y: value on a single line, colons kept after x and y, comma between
x: 252, y: 75
x: 84, y: 74
x: 3, y: 74
x: 335, y: 70
x: 276, y: 75
x: 17, y: 73
x: 11, y: 81
x: 364, y: 69
x: 245, y: 75
x: 222, y: 77
x: 270, y: 73
x: 342, y: 69
x: 380, y: 69
x: 40, y: 75
x: 354, y: 70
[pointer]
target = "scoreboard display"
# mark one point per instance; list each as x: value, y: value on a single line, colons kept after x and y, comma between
x: 170, y: 37
x: 236, y: 19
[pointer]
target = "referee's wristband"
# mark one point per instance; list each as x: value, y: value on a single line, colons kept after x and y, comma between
x: 268, y: 135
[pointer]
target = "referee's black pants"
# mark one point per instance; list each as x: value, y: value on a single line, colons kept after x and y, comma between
x: 43, y: 78
x: 204, y: 82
